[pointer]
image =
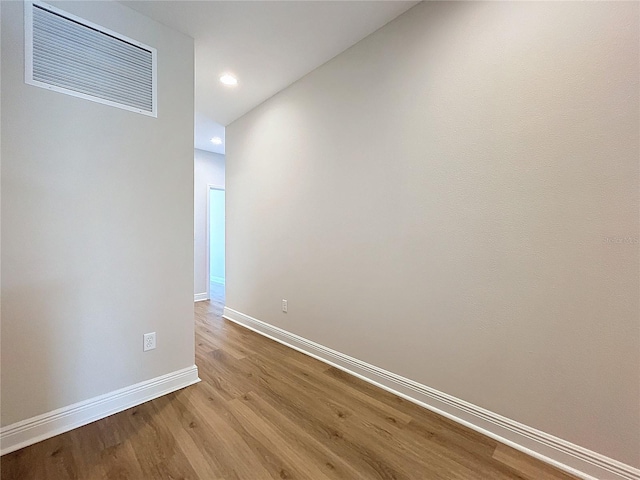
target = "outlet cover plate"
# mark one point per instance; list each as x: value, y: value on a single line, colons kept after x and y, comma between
x: 149, y: 341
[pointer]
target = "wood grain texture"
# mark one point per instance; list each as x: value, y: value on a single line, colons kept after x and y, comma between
x: 265, y: 411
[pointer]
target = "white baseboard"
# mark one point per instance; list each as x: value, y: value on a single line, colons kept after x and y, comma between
x: 560, y: 453
x: 47, y: 425
x: 200, y: 297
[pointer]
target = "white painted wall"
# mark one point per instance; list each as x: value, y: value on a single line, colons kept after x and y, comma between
x: 209, y: 170
x: 97, y: 218
x: 436, y: 201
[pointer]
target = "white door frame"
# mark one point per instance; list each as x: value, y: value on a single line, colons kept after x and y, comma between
x: 210, y: 187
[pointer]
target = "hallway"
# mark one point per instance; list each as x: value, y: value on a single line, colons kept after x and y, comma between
x: 264, y: 411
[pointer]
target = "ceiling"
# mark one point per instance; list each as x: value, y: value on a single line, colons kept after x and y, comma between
x: 266, y: 45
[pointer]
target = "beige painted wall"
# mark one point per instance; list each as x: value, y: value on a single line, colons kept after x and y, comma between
x: 437, y: 201
x: 97, y: 222
x: 209, y: 170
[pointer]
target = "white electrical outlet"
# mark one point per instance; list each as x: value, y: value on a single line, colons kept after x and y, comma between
x: 284, y: 306
x: 149, y: 342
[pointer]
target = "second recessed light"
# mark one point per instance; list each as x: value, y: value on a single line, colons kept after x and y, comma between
x: 216, y: 141
x: 228, y: 79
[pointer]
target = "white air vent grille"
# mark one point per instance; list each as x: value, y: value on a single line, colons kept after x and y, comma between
x: 70, y: 55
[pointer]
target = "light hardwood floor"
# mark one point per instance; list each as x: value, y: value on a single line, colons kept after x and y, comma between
x: 264, y: 411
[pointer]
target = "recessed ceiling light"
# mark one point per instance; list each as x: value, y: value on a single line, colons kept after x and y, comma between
x: 216, y: 141
x: 229, y: 79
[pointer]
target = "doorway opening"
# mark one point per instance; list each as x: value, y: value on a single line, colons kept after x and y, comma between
x: 216, y: 244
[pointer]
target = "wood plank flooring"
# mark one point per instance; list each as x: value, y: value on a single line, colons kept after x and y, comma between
x: 264, y: 411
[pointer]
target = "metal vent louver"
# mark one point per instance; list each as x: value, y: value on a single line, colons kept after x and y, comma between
x: 70, y: 55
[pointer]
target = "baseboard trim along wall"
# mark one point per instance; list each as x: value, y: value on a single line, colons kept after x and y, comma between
x: 560, y: 453
x: 200, y: 297
x: 47, y: 425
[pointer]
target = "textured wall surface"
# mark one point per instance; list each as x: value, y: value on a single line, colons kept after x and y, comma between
x: 97, y: 225
x: 455, y: 199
